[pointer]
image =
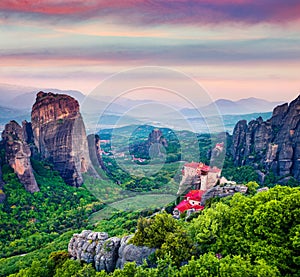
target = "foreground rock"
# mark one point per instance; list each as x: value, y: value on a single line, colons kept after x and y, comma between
x: 17, y: 154
x: 106, y: 253
x: 60, y: 136
x: 273, y: 144
x: 132, y: 253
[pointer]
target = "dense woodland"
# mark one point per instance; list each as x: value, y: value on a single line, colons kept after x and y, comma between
x: 253, y: 235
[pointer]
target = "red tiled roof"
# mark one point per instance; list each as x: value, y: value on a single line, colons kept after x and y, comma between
x: 205, y: 168
x: 185, y: 205
x: 195, y: 195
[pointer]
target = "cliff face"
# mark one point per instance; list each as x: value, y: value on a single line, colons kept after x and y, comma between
x: 59, y: 135
x: 17, y: 153
x: 95, y: 152
x: 273, y: 144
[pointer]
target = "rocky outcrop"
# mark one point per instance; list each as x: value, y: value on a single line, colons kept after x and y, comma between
x: 156, y: 142
x: 156, y: 136
x: 104, y: 252
x: 95, y: 152
x: 152, y: 148
x: 17, y: 154
x: 132, y: 253
x: 2, y: 194
x: 60, y: 136
x: 83, y: 246
x: 222, y: 191
x: 273, y: 144
x: 27, y: 132
x: 107, y: 255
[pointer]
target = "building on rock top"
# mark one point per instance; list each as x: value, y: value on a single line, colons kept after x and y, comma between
x: 198, y: 176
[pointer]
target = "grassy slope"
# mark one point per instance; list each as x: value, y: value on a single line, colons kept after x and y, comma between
x: 139, y: 202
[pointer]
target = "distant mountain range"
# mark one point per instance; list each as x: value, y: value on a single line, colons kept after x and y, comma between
x: 16, y: 103
x: 7, y: 114
x: 23, y: 98
x: 242, y: 106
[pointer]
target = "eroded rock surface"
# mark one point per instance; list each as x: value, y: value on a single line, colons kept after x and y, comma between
x: 107, y: 255
x: 104, y: 252
x: 95, y: 152
x: 222, y: 191
x: 132, y: 253
x: 17, y: 154
x: 273, y: 144
x: 60, y: 136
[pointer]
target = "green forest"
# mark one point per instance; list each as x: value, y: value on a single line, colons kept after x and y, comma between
x: 242, y: 235
x: 257, y: 234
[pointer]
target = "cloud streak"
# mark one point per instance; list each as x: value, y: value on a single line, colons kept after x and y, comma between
x: 135, y: 54
x: 146, y: 12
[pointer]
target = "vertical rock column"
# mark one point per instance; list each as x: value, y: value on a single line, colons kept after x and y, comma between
x: 60, y: 136
x: 18, y: 154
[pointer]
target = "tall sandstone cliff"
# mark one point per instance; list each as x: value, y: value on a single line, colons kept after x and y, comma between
x: 273, y: 144
x: 60, y: 136
x: 17, y: 153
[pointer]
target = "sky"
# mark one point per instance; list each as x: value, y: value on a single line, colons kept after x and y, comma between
x: 233, y: 48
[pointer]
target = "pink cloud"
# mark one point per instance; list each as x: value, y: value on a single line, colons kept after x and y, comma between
x: 161, y: 12
x: 67, y: 7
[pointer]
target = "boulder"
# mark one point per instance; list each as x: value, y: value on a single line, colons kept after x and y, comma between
x: 107, y: 256
x: 104, y: 252
x: 132, y: 253
x: 85, y: 245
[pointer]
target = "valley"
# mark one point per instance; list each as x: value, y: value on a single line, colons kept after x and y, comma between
x: 130, y: 180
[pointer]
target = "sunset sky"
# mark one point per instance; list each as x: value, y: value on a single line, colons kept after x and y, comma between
x: 233, y: 48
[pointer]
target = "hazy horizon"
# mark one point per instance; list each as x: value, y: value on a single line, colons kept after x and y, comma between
x: 137, y: 97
